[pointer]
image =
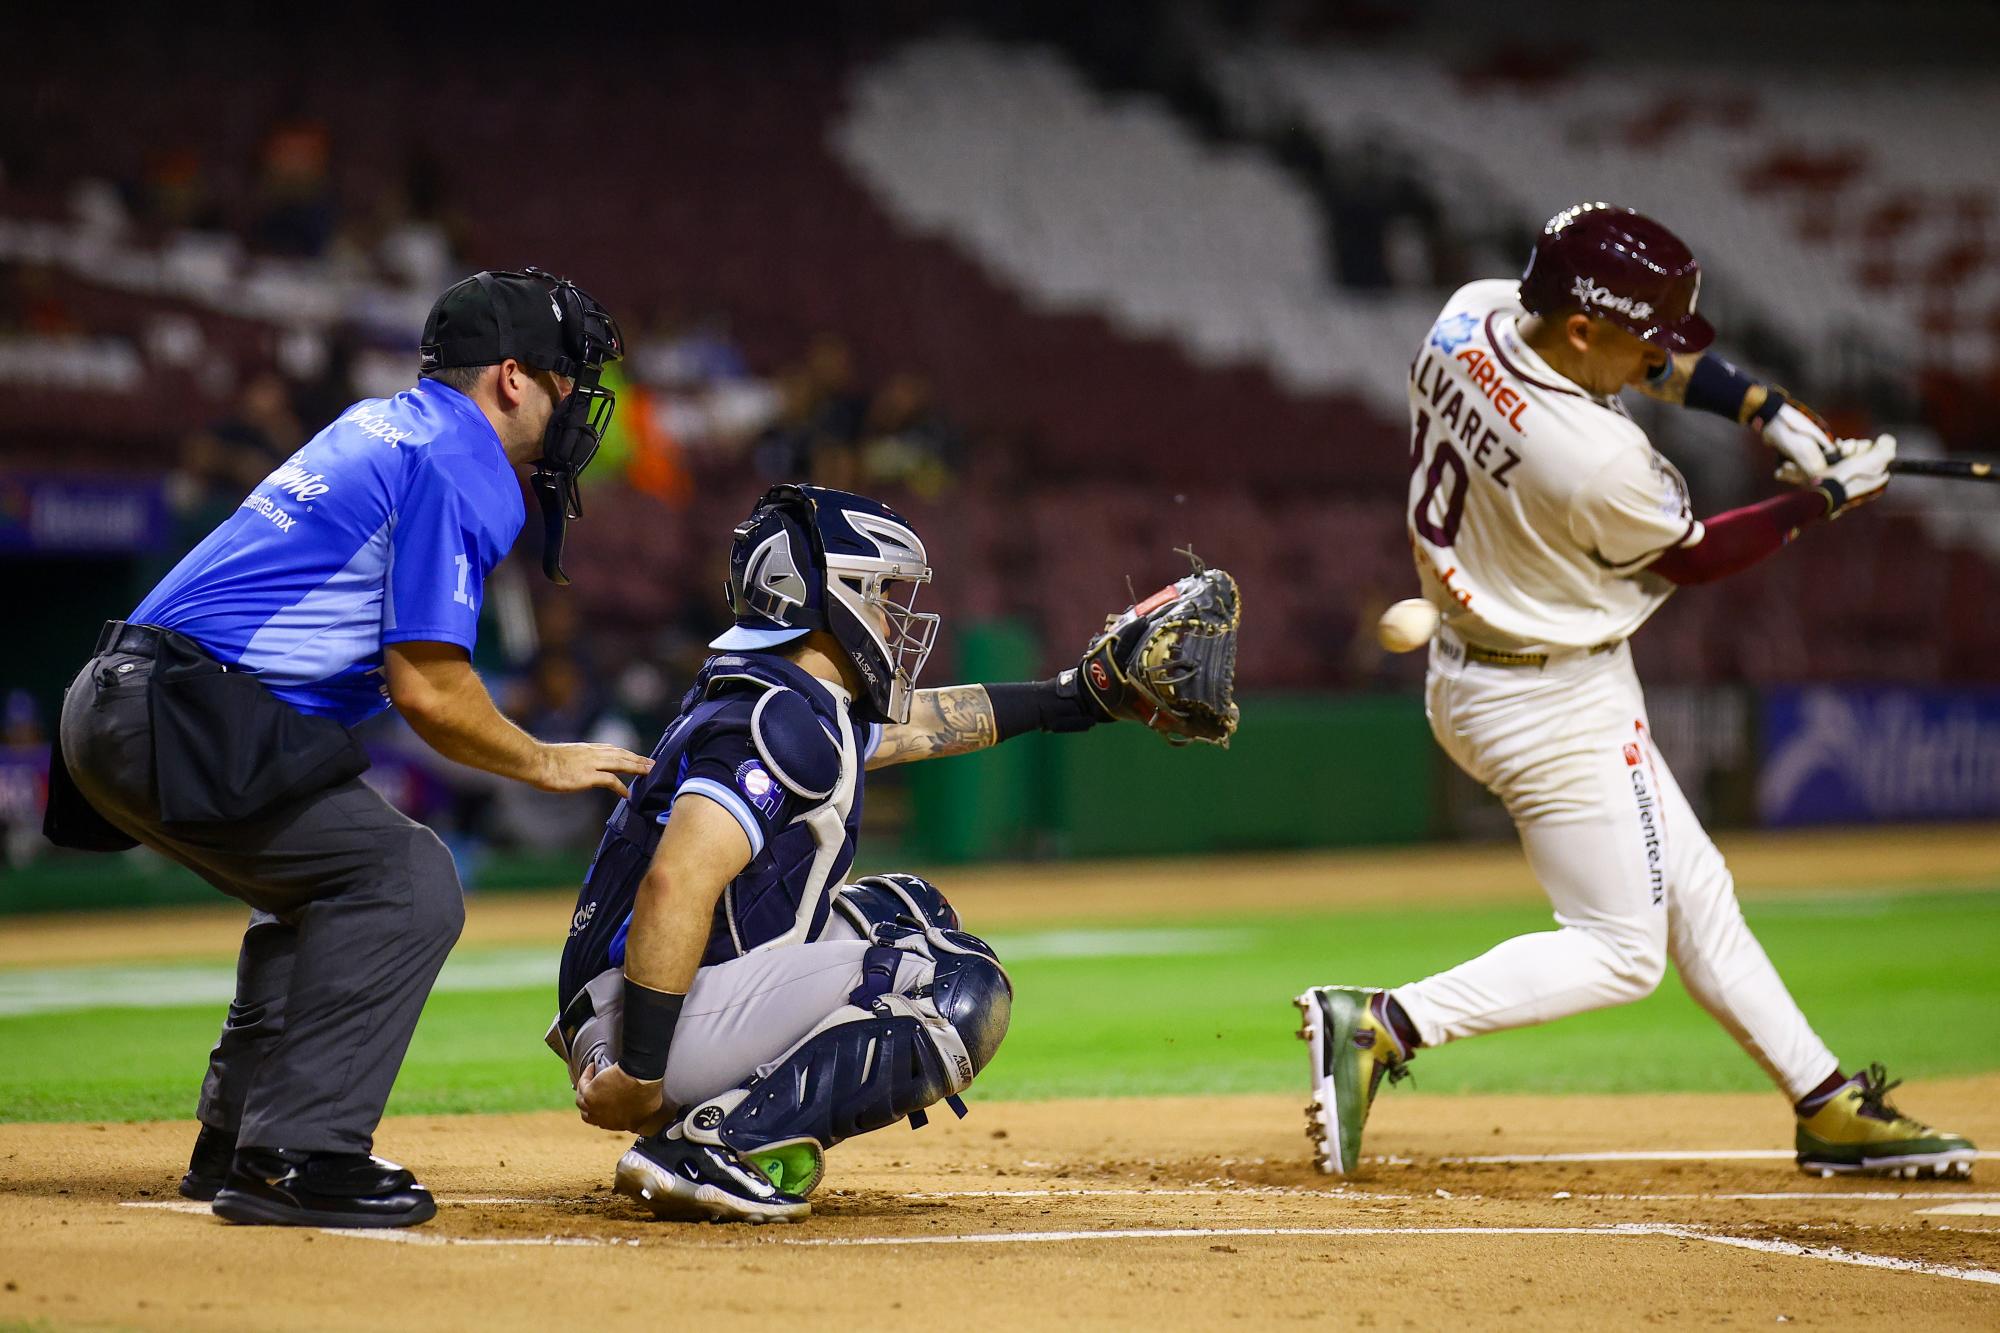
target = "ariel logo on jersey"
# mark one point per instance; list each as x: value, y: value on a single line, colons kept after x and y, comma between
x: 755, y: 782
x: 1486, y: 378
x: 1448, y: 335
x: 1588, y: 293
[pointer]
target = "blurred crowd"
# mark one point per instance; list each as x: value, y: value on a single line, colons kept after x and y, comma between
x: 195, y: 302
x: 691, y: 400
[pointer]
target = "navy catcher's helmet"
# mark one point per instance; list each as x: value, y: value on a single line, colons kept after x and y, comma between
x: 1615, y: 264
x: 809, y: 558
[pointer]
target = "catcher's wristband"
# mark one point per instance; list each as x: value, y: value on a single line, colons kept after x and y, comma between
x: 649, y: 1022
x: 1040, y: 705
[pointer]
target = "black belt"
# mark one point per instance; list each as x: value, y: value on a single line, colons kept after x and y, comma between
x: 119, y: 637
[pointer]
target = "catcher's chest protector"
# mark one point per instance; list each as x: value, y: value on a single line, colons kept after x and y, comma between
x: 807, y: 813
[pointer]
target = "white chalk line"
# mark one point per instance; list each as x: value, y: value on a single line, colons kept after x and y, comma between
x: 1824, y: 1253
x: 1196, y: 1191
x: 1965, y: 1206
x: 1966, y: 1210
x: 1637, y: 1155
x: 1297, y: 1192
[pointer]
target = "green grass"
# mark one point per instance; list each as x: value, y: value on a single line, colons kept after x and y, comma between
x: 1910, y: 979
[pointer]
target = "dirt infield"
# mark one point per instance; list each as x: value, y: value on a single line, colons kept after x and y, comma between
x: 1185, y: 1213
x: 1164, y: 1213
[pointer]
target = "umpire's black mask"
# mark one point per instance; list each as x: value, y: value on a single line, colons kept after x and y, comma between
x: 553, y: 325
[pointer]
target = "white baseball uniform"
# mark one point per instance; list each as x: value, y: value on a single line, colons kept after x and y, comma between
x: 1534, y: 511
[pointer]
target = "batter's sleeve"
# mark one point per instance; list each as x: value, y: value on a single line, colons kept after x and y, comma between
x: 1632, y: 510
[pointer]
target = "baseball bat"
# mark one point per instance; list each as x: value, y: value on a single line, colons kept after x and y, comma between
x: 1962, y: 469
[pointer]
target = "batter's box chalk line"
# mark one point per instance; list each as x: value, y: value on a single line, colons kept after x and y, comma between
x: 1617, y: 1230
x: 1640, y: 1155
x: 1620, y: 1230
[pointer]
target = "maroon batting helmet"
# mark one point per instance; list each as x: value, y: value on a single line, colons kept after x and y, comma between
x: 1614, y: 264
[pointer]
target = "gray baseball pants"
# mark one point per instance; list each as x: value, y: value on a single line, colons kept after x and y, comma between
x: 741, y: 1016
x: 356, y: 907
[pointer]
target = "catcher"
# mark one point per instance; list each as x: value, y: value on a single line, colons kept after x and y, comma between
x: 724, y: 993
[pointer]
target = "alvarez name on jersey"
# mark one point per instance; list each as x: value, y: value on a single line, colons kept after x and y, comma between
x: 1534, y: 507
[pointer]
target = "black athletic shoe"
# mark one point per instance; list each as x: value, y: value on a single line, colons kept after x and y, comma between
x: 676, y: 1179
x: 281, y: 1187
x: 208, y: 1168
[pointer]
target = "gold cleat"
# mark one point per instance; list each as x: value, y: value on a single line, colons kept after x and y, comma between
x: 1857, y: 1132
x: 1352, y: 1052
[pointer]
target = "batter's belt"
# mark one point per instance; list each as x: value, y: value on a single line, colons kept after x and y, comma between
x: 1495, y: 657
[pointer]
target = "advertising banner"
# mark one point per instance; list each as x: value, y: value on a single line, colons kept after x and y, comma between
x: 1855, y: 754
x: 81, y: 516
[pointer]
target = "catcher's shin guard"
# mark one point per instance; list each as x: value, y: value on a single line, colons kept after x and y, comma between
x: 882, y: 1058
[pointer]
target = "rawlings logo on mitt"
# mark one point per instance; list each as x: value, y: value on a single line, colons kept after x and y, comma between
x: 1169, y: 661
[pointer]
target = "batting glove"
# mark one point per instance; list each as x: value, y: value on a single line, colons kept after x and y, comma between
x: 1808, y: 449
x: 1860, y: 475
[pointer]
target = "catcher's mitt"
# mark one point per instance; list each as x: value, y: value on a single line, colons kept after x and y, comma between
x: 1170, y: 661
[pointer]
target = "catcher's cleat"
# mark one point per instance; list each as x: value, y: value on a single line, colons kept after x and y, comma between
x: 1857, y: 1132
x: 1352, y: 1051
x: 678, y: 1180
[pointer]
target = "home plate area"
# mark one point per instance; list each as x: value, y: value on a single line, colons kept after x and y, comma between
x: 1167, y: 1213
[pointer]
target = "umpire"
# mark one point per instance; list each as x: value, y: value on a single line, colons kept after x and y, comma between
x: 212, y: 726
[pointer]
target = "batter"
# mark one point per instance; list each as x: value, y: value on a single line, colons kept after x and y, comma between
x: 1546, y: 531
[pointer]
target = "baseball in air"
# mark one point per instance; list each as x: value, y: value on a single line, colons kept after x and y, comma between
x: 1407, y: 626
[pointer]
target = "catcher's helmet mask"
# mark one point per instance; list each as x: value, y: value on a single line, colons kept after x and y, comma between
x: 500, y: 313
x: 810, y: 558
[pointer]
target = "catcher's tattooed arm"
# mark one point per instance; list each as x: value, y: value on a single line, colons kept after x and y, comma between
x: 957, y: 719
x: 1169, y: 662
x: 962, y: 718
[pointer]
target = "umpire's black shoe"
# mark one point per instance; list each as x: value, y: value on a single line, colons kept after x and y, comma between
x: 281, y: 1187
x: 208, y: 1168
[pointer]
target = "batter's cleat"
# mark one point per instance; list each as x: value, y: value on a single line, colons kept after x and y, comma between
x: 208, y: 1167
x: 285, y: 1188
x: 1353, y: 1050
x: 1857, y: 1132
x: 679, y: 1180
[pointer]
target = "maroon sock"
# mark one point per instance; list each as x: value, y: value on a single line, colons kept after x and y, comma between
x: 1822, y: 1094
x: 1391, y: 1013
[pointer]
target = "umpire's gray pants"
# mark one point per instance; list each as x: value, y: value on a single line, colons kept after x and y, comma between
x: 356, y: 908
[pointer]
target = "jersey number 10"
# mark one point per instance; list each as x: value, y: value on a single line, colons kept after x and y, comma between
x: 1444, y: 531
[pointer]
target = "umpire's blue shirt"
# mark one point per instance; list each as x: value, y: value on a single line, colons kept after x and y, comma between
x: 382, y: 529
